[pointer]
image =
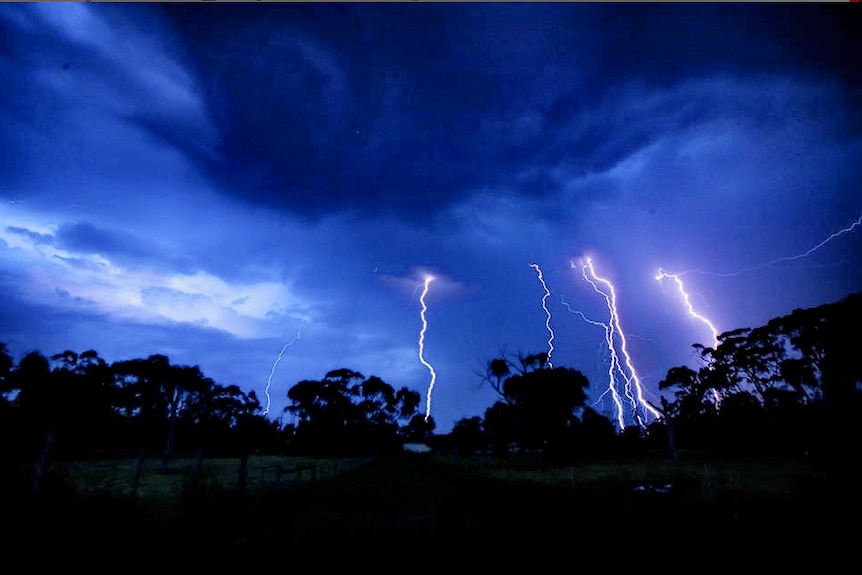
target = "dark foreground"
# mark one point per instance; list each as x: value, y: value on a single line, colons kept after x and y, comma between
x: 414, y: 513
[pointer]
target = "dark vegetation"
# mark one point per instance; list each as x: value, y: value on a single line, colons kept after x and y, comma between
x: 790, y: 390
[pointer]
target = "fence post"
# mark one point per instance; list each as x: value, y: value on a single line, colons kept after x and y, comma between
x: 243, y: 472
x: 671, y: 441
x: 708, y: 484
x: 198, y: 471
x: 136, y: 472
x: 44, y: 459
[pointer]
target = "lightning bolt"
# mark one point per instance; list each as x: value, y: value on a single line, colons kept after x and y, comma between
x: 677, y: 277
x: 428, y: 280
x: 274, y: 365
x: 632, y: 380
x: 547, y: 312
x: 687, y: 300
x: 846, y: 230
x: 613, y: 368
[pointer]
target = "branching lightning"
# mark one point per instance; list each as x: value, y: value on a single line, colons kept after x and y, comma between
x: 633, y: 386
x: 846, y: 230
x: 547, y: 313
x: 274, y: 365
x: 613, y: 368
x: 428, y: 280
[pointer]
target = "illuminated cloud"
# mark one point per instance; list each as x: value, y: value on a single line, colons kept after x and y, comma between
x: 142, y: 294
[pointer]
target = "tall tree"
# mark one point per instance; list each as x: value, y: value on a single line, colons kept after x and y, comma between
x: 345, y: 410
x: 468, y: 435
x: 540, y: 404
x: 157, y: 392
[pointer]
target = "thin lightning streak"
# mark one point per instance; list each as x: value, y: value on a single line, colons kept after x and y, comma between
x: 583, y: 317
x: 686, y: 298
x: 611, y: 299
x: 274, y: 365
x: 428, y: 280
x: 800, y: 256
x: 547, y: 313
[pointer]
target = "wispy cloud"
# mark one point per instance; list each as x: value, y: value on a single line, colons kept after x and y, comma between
x: 145, y: 294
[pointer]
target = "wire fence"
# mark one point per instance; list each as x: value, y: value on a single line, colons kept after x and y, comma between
x: 148, y: 478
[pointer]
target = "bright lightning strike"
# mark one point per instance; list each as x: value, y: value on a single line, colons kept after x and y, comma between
x: 631, y: 378
x: 274, y: 365
x: 547, y: 313
x: 428, y: 280
x: 687, y: 299
x: 805, y: 254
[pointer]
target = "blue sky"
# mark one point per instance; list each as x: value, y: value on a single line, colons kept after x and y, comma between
x: 205, y: 180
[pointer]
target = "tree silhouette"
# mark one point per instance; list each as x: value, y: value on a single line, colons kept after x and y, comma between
x: 85, y: 384
x: 7, y: 410
x: 789, y: 386
x: 345, y: 411
x: 538, y: 407
x: 419, y: 428
x: 6, y: 364
x: 158, y: 392
x: 468, y: 435
x: 501, y: 427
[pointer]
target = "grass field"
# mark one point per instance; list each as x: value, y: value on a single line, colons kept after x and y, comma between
x: 772, y: 477
x: 116, y: 477
x: 446, y: 509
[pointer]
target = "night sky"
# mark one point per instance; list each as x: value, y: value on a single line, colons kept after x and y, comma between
x: 205, y: 181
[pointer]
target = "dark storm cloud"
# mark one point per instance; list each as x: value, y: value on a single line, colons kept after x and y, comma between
x: 401, y: 109
x: 88, y: 238
x: 34, y: 237
x: 76, y: 84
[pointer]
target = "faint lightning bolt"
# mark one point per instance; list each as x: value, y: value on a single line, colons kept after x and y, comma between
x: 428, y: 280
x: 632, y: 378
x: 583, y: 317
x: 547, y: 313
x: 274, y: 365
x: 612, y: 368
x: 686, y: 298
x: 805, y: 254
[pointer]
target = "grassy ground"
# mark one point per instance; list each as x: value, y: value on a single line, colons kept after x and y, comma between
x: 765, y: 478
x: 264, y: 472
x: 448, y: 511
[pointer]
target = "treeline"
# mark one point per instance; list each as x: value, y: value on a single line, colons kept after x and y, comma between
x: 78, y: 405
x: 74, y: 405
x: 791, y: 386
